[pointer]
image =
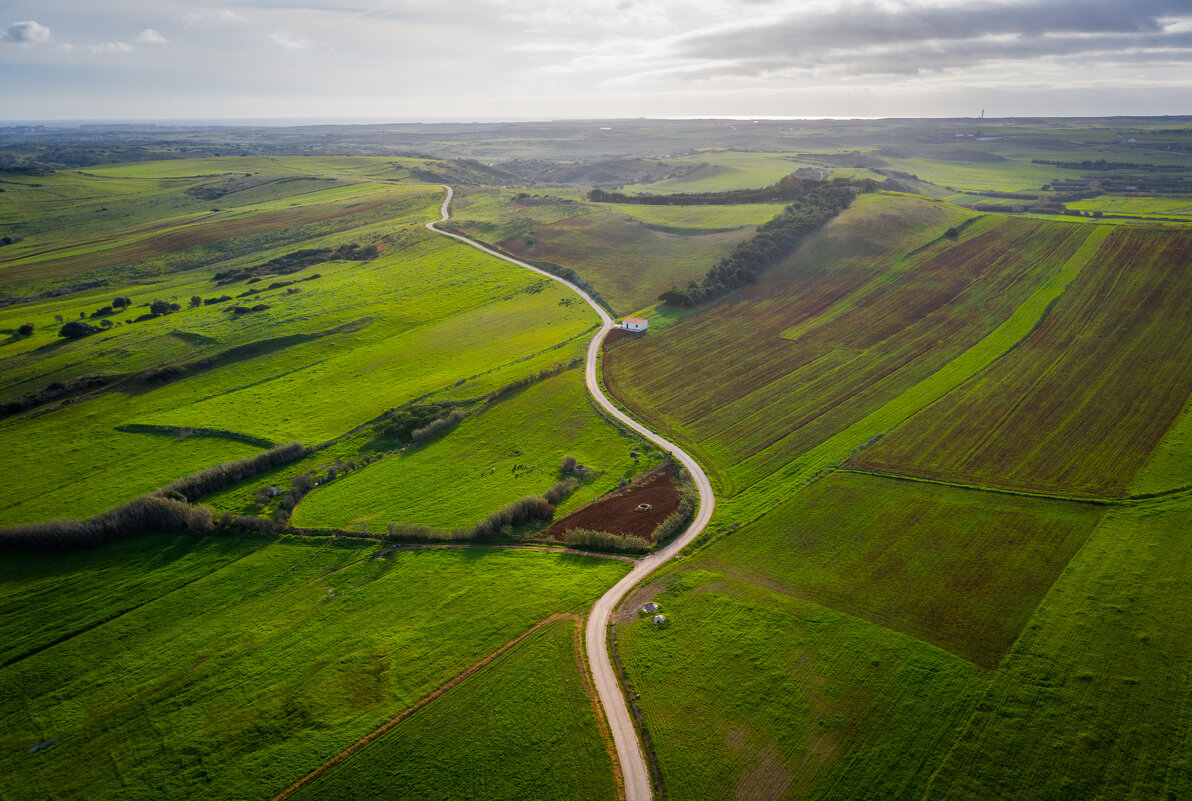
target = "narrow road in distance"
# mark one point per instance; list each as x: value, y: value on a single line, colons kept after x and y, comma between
x: 629, y: 751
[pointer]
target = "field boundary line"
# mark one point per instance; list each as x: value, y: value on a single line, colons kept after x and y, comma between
x: 121, y: 613
x: 629, y: 750
x: 397, y: 545
x: 606, y: 735
x: 468, y: 672
x: 1099, y: 501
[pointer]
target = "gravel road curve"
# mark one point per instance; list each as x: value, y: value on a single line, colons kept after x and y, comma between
x: 629, y: 751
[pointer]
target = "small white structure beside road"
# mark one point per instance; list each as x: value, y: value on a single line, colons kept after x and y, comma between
x: 635, y: 324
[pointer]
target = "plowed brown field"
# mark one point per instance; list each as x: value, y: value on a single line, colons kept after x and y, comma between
x: 1080, y: 404
x: 750, y: 399
x: 617, y: 512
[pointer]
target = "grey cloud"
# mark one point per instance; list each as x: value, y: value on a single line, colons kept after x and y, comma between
x: 866, y: 38
x: 27, y: 32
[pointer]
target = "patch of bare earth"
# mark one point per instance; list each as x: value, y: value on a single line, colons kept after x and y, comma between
x: 635, y: 510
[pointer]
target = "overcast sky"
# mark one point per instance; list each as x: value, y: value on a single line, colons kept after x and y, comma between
x: 510, y: 59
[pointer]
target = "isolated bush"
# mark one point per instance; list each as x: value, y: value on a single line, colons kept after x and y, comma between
x: 568, y: 465
x: 163, y: 307
x: 195, y: 301
x: 25, y: 330
x: 76, y: 329
x: 560, y: 490
x: 102, y: 311
x: 122, y: 302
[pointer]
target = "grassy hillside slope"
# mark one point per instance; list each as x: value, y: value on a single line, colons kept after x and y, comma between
x: 247, y: 678
x: 341, y: 342
x: 509, y: 450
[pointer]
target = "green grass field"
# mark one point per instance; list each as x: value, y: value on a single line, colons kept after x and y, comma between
x: 520, y: 728
x: 960, y: 569
x: 509, y: 450
x: 242, y: 679
x: 952, y: 454
x: 752, y: 692
x: 427, y: 316
x: 1093, y: 700
x: 44, y: 600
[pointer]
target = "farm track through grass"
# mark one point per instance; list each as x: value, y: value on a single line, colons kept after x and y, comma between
x: 629, y: 254
x: 788, y: 699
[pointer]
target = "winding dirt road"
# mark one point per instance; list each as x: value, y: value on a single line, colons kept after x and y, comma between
x: 629, y: 751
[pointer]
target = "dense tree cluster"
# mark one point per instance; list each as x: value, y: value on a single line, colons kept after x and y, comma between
x: 400, y: 424
x: 773, y: 241
x: 77, y: 329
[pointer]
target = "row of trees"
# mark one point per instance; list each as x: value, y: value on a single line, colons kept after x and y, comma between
x: 789, y: 188
x: 169, y: 509
x: 774, y: 241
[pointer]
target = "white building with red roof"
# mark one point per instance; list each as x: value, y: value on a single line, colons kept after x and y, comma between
x: 635, y: 324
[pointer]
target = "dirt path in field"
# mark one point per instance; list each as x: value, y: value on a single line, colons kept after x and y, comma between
x: 426, y: 699
x: 629, y: 751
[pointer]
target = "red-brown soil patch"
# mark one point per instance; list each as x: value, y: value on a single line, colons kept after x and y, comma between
x: 613, y: 337
x: 617, y: 512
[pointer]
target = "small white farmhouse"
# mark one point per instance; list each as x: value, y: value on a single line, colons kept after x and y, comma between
x: 635, y: 324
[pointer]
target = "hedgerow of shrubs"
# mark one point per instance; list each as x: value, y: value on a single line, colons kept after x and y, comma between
x: 224, y: 475
x: 402, y: 424
x: 145, y: 515
x: 437, y: 426
x: 604, y: 541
